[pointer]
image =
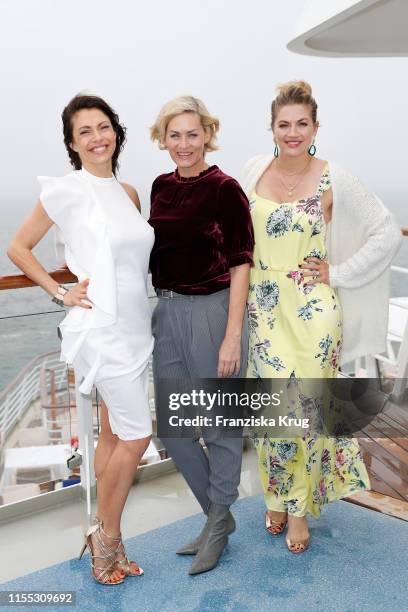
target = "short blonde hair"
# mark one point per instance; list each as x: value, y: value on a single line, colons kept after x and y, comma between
x: 177, y: 106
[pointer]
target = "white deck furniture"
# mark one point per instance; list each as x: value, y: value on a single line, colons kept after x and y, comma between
x: 30, y: 457
x: 32, y: 436
x: 151, y: 455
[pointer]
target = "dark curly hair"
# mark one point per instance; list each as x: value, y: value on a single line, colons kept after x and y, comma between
x: 78, y: 103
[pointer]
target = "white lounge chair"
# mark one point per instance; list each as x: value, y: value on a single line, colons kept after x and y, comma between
x: 38, y: 474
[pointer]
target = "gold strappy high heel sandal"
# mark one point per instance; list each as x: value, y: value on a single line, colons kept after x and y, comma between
x: 274, y: 527
x: 123, y: 564
x: 102, y: 574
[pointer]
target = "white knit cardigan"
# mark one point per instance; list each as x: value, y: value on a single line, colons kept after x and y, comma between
x: 362, y: 238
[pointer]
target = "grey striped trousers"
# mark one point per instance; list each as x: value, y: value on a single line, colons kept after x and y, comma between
x: 188, y: 332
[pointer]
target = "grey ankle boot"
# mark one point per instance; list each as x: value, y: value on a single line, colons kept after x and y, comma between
x: 192, y: 547
x: 214, y: 541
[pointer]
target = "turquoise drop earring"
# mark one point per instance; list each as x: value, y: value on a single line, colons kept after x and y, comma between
x: 312, y: 149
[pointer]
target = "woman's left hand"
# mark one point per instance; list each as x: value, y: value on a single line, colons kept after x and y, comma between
x: 317, y: 269
x: 229, y: 357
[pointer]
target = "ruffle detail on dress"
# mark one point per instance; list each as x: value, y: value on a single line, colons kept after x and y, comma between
x: 71, y: 203
x: 80, y: 321
x: 101, y: 292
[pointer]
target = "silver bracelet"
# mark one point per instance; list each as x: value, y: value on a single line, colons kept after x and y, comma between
x: 59, y: 296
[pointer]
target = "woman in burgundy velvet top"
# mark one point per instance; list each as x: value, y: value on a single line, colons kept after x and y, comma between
x: 200, y: 269
x: 202, y: 231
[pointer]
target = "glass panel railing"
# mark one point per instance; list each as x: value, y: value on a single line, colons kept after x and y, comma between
x: 33, y: 392
x: 399, y: 278
x: 39, y: 418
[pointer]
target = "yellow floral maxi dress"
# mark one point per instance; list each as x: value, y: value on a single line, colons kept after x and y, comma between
x: 296, y: 332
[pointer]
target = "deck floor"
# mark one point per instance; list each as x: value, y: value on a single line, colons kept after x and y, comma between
x: 384, y: 445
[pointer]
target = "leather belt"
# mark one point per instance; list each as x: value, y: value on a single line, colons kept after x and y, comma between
x: 167, y: 293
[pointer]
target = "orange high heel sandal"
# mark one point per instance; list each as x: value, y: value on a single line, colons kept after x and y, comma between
x: 274, y: 527
x: 102, y: 574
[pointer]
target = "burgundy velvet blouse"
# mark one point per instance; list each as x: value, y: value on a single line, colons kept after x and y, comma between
x: 203, y: 228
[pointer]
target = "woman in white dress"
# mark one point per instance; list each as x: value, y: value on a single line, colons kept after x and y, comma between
x: 107, y: 332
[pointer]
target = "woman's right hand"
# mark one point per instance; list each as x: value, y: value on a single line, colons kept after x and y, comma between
x: 76, y: 295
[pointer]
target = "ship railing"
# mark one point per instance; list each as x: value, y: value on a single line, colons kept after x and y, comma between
x: 47, y: 390
x: 393, y: 363
x: 396, y: 354
x: 21, y: 392
x: 35, y: 395
x: 24, y: 389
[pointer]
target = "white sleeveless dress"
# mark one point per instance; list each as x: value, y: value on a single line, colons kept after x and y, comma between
x: 108, y: 241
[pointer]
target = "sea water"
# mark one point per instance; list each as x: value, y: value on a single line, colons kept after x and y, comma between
x: 23, y: 338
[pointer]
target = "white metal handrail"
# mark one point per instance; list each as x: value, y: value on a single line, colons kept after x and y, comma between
x: 400, y: 269
x: 20, y: 393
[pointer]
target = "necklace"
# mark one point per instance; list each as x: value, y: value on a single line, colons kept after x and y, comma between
x: 296, y: 173
x: 291, y: 188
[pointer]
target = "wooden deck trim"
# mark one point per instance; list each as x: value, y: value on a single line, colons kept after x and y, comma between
x: 382, y: 463
x: 389, y: 432
x: 397, y: 414
x: 384, y: 446
x: 20, y: 281
x: 388, y: 443
x: 379, y: 486
x: 380, y: 503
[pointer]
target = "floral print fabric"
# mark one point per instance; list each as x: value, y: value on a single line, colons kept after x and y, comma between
x: 295, y: 332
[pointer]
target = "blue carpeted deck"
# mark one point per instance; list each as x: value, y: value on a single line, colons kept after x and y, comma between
x: 357, y: 561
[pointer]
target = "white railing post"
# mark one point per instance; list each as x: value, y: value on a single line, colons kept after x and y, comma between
x: 401, y: 382
x: 25, y: 389
x: 7, y: 409
x: 85, y: 431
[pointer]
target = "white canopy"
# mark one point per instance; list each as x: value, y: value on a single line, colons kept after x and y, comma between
x: 349, y: 28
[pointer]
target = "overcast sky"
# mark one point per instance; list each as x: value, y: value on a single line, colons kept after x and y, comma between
x: 231, y: 53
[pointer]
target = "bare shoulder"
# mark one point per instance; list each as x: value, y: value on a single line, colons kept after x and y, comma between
x: 132, y: 193
x: 319, y: 165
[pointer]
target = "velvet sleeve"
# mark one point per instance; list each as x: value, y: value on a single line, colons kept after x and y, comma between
x: 153, y: 192
x: 235, y: 223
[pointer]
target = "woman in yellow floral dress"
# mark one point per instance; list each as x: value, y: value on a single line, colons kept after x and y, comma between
x: 295, y: 317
